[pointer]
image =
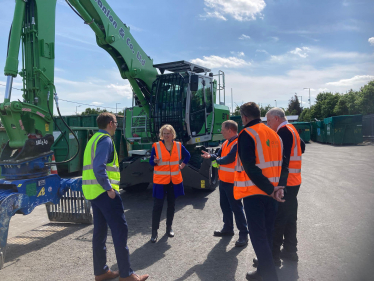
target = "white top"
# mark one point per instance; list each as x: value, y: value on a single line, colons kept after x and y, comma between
x: 282, y: 124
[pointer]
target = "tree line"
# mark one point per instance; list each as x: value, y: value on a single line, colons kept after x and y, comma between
x: 329, y: 104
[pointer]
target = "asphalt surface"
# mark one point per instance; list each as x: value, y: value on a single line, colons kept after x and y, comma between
x: 335, y: 232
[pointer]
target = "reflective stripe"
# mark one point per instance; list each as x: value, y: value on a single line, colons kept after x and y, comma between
x: 269, y: 164
x: 179, y: 150
x: 175, y: 173
x: 162, y: 173
x: 294, y: 171
x: 114, y: 182
x: 295, y: 158
x: 87, y: 167
x: 158, y: 147
x: 295, y: 150
x: 112, y: 169
x: 244, y: 183
x: 163, y: 164
x: 93, y: 148
x: 233, y: 144
x: 108, y: 168
x: 88, y: 182
x: 250, y: 183
x: 174, y: 163
x: 226, y: 169
x: 260, y: 151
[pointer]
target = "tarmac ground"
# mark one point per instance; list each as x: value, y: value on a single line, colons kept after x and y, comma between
x: 335, y: 232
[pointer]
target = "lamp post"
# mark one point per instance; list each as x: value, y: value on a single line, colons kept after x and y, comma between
x: 309, y: 96
x: 275, y: 103
x: 76, y: 109
x: 116, y: 105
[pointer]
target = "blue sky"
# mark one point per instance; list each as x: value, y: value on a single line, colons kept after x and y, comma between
x: 268, y: 49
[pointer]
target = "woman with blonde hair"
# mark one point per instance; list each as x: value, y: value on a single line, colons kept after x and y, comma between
x: 167, y: 177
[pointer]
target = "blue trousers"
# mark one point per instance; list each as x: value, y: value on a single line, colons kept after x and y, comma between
x: 229, y: 206
x: 261, y: 211
x: 110, y: 212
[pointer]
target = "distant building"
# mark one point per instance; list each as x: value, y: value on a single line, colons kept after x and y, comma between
x: 290, y: 118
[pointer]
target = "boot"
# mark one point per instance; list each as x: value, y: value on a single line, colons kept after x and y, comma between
x: 135, y: 277
x: 154, y: 236
x: 169, y: 231
x: 107, y: 275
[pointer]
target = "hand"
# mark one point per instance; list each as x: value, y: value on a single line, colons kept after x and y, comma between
x: 205, y: 154
x: 278, y: 193
x: 111, y: 193
x: 156, y: 160
x: 181, y: 166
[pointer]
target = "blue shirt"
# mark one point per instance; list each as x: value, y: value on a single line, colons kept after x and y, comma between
x: 104, y: 154
x: 229, y: 158
x: 158, y: 189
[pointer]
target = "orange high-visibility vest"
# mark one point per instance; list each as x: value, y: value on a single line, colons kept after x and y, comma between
x: 167, y: 170
x: 294, y: 167
x: 226, y: 172
x: 269, y: 152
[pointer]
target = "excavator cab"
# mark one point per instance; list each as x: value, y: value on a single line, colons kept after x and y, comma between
x: 183, y: 98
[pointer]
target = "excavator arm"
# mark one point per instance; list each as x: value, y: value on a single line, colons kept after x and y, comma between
x: 33, y: 28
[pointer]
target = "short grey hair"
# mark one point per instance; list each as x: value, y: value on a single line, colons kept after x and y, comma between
x: 276, y: 111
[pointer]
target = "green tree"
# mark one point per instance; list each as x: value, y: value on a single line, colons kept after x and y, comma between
x: 365, y: 99
x: 305, y: 115
x: 265, y: 109
x: 294, y: 107
x: 89, y: 111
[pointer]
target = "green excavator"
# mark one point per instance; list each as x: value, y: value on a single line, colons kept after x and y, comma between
x: 179, y: 93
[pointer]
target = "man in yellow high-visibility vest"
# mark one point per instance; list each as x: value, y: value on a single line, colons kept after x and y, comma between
x: 100, y: 185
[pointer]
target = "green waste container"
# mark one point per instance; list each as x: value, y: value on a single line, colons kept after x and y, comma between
x: 304, y: 130
x: 344, y: 129
x: 321, y: 132
x: 313, y: 126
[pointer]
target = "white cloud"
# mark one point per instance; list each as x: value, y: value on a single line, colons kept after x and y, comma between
x: 275, y: 39
x: 97, y: 103
x: 216, y: 62
x: 320, y: 90
x: 301, y: 52
x: 371, y: 41
x: 262, y: 51
x: 241, y: 10
x: 358, y: 79
x: 244, y: 37
x: 213, y: 15
x: 239, y: 54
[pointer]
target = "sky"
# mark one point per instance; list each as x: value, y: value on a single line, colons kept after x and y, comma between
x: 269, y: 50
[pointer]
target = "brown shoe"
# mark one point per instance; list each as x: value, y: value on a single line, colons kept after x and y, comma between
x: 135, y: 277
x: 107, y: 275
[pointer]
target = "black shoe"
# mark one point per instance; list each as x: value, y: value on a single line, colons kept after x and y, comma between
x: 169, y: 232
x: 253, y: 275
x: 292, y: 256
x: 221, y: 233
x: 154, y: 236
x: 277, y: 262
x: 242, y: 241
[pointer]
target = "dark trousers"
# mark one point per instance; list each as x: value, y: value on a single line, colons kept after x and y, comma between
x: 159, y: 203
x: 229, y: 206
x: 107, y: 211
x: 261, y: 211
x: 285, y: 227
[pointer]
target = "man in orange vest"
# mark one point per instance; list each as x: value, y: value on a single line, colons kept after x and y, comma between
x: 285, y: 224
x: 256, y: 180
x: 225, y: 158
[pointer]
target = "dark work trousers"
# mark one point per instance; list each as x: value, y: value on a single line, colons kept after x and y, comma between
x: 285, y: 223
x: 229, y: 206
x: 107, y: 211
x: 261, y: 211
x: 159, y: 203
